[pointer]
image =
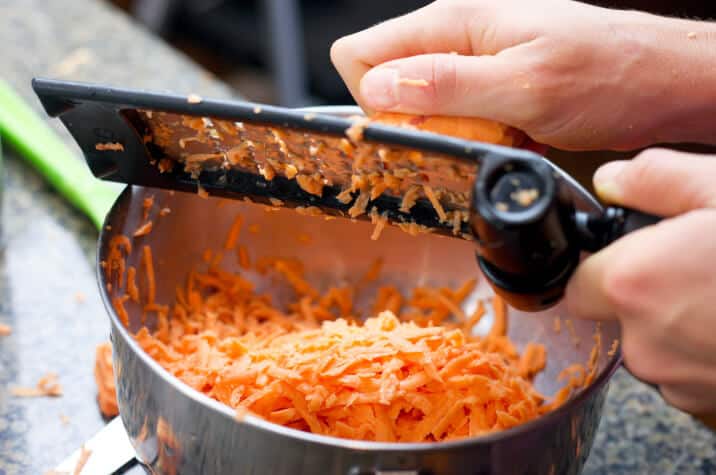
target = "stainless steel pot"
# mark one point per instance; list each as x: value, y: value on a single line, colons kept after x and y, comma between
x: 176, y: 430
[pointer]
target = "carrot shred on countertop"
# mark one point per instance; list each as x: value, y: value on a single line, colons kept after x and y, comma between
x: 414, y: 372
x: 104, y: 377
x: 5, y: 330
x: 47, y: 386
x: 82, y: 461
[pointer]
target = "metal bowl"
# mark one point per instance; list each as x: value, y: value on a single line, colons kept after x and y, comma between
x: 176, y: 430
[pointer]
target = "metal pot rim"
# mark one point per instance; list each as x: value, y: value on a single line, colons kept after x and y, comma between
x: 547, y: 419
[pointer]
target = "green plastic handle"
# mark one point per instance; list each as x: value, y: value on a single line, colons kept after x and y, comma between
x: 21, y: 127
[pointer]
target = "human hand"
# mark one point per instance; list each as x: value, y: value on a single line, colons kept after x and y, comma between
x: 571, y: 75
x: 660, y: 281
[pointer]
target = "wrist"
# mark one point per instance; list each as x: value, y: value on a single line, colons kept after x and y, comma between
x: 673, y: 67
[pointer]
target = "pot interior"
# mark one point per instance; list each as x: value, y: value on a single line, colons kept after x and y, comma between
x: 333, y: 252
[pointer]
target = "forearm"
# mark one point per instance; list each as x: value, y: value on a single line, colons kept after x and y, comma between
x: 675, y: 78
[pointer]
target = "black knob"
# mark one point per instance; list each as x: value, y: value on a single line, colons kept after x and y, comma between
x: 524, y: 226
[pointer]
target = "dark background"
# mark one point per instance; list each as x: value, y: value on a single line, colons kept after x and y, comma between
x: 277, y: 51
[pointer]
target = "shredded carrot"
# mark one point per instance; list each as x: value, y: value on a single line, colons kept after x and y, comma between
x: 533, y: 360
x: 557, y: 325
x: 47, y: 386
x: 593, y: 363
x: 5, y: 330
x: 118, y: 305
x: 340, y: 375
x: 132, y: 289
x: 243, y: 254
x: 409, y: 199
x: 164, y: 211
x: 216, y: 260
x: 119, y: 247
x: 413, y: 82
x: 206, y: 256
x: 113, y: 146
x: 380, y: 380
x: 573, y: 334
x: 234, y: 232
x: 82, y: 461
x: 613, y: 349
x: 104, y: 377
x: 379, y: 221
x: 430, y: 193
x: 475, y: 318
x: 147, y: 204
x: 149, y: 269
x: 373, y: 272
x: 499, y: 327
x: 144, y: 229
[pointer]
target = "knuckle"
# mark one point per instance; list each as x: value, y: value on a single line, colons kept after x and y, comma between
x: 444, y: 75
x: 688, y: 397
x: 646, y: 164
x: 339, y: 49
x: 543, y: 89
x: 639, y: 361
x: 672, y: 396
x: 620, y: 285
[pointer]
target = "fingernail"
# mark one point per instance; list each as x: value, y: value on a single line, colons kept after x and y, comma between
x: 379, y: 88
x: 606, y: 181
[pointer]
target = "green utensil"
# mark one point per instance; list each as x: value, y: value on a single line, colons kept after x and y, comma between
x: 24, y: 130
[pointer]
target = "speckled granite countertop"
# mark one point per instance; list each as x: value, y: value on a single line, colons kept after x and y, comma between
x: 47, y: 284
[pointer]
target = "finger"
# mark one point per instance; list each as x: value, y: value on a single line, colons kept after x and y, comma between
x: 462, y: 27
x: 658, y: 181
x: 418, y: 32
x: 447, y: 84
x: 634, y: 275
x: 692, y: 398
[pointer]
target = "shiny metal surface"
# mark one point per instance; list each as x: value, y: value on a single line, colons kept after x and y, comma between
x: 177, y: 430
x: 110, y: 450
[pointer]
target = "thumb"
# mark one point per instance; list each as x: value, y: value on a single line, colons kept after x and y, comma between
x: 659, y: 181
x: 446, y: 84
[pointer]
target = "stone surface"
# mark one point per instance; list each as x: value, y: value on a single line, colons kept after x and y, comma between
x: 47, y: 284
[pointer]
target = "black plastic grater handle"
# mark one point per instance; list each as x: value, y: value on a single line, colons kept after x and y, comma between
x: 529, y: 235
x: 597, y: 232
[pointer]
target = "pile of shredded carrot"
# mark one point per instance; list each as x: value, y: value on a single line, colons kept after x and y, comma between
x: 412, y: 373
x: 382, y: 380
